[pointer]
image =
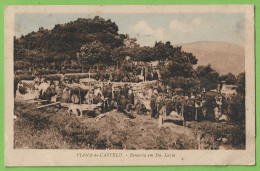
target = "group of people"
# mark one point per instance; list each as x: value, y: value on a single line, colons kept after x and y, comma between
x: 191, y: 107
x: 111, y: 96
x: 39, y: 88
x: 123, y: 98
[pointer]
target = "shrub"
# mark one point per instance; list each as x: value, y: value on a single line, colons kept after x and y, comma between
x: 51, y: 77
x: 237, y: 110
x: 46, y: 71
x: 24, y: 77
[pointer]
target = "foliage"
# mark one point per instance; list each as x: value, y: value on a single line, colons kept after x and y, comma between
x: 92, y: 53
x: 176, y: 67
x: 51, y: 77
x: 208, y: 77
x: 24, y: 77
x: 46, y: 71
x: 65, y: 40
x: 229, y: 78
x: 89, y: 43
x: 211, y: 134
x: 241, y: 84
x: 237, y: 109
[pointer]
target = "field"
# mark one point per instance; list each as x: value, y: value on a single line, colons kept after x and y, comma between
x: 53, y: 128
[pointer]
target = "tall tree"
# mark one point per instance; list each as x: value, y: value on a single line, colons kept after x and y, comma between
x: 241, y: 84
x: 163, y: 51
x: 93, y: 53
x: 68, y: 38
x: 208, y: 77
x: 229, y: 78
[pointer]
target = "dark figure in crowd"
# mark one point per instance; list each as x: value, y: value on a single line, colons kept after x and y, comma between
x: 125, y: 90
x: 189, y: 112
x: 170, y: 106
x: 118, y: 94
x: 140, y: 108
x: 97, y: 99
x: 210, y: 104
x: 155, y: 76
x: 132, y: 97
x: 153, y: 106
x: 49, y: 93
x: 122, y: 103
x: 200, y: 116
x: 109, y: 96
x: 107, y: 92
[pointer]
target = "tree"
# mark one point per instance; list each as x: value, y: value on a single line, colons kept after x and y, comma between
x: 59, y: 60
x: 20, y: 65
x: 118, y: 55
x: 229, y: 78
x: 208, y: 77
x: 67, y: 39
x: 93, y: 53
x: 144, y: 54
x: 241, y: 84
x: 176, y: 68
x: 163, y: 51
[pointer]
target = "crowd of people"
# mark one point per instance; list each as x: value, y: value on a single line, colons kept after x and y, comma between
x: 124, y: 98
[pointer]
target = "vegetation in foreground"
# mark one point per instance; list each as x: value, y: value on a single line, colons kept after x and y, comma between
x: 52, y: 128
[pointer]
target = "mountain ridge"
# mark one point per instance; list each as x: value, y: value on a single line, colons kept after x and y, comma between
x: 224, y: 57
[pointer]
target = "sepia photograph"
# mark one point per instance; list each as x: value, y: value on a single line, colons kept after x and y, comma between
x: 147, y: 81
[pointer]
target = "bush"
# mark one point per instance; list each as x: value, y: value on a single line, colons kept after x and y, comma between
x: 24, y: 77
x: 23, y: 72
x: 237, y: 106
x: 217, y: 130
x: 46, y: 71
x: 51, y: 77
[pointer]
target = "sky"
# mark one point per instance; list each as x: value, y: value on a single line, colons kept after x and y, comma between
x: 148, y: 28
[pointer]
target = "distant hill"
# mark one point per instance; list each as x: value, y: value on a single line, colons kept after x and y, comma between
x: 223, y: 57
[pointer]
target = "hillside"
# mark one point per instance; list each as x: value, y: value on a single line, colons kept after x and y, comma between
x: 223, y: 57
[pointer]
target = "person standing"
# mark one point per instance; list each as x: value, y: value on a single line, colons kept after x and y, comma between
x: 153, y: 106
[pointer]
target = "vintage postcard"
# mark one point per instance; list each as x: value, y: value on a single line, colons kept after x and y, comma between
x: 129, y: 85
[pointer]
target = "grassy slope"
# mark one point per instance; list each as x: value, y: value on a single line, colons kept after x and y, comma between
x: 52, y: 128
